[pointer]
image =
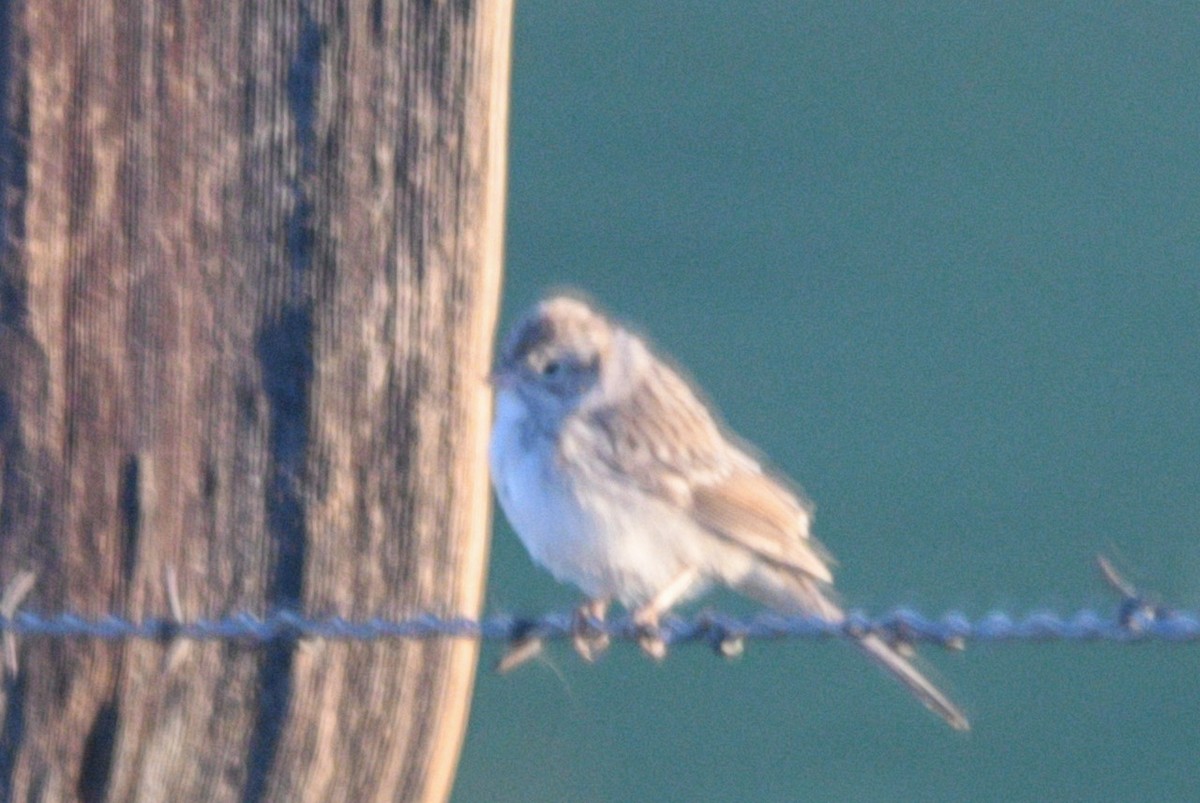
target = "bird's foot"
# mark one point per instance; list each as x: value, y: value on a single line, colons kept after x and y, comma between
x: 649, y: 633
x: 590, y: 641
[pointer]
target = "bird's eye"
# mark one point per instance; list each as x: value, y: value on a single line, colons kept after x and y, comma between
x: 551, y: 368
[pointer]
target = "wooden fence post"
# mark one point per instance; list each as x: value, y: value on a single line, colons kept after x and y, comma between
x: 248, y: 282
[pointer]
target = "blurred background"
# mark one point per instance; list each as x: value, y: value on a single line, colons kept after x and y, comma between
x: 940, y: 263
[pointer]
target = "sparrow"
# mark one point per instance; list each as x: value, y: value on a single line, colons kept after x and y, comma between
x: 620, y: 480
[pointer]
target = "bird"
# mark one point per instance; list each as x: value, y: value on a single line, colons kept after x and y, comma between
x: 620, y: 480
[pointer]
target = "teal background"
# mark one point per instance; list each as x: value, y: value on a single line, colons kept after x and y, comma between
x: 939, y: 261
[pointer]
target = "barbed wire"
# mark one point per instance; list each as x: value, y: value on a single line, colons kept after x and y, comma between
x: 902, y: 624
x: 1134, y: 619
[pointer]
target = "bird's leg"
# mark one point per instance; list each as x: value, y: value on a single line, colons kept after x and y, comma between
x: 646, y: 617
x: 589, y: 642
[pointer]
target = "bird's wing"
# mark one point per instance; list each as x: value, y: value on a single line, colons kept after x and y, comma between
x: 664, y: 438
x: 755, y: 510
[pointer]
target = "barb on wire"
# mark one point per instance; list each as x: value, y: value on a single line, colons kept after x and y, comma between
x: 1136, y: 609
x: 14, y: 594
x: 178, y: 649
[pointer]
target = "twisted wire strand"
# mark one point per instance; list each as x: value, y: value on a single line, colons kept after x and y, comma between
x: 1135, y: 619
x: 1130, y: 622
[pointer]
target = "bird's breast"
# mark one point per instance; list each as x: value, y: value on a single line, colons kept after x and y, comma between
x: 585, y: 525
x: 533, y: 493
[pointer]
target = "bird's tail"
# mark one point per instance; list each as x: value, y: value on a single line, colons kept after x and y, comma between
x: 791, y: 594
x: 899, y: 667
